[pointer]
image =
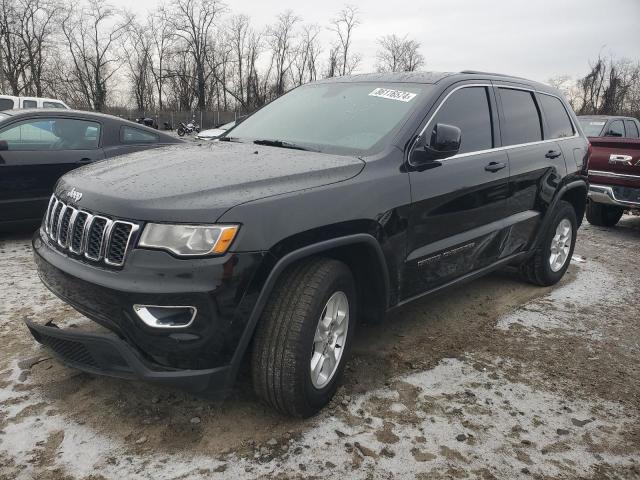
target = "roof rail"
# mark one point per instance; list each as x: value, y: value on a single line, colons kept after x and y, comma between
x: 477, y: 72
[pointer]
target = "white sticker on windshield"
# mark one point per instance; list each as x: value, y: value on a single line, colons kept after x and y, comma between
x: 597, y: 123
x: 393, y: 94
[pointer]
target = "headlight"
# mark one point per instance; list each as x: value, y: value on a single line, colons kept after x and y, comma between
x: 188, y: 240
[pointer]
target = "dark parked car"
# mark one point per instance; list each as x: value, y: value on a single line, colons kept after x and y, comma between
x: 614, y: 167
x: 337, y: 202
x: 38, y: 146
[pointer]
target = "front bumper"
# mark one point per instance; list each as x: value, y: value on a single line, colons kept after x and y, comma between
x: 106, y: 354
x: 626, y: 197
x: 222, y: 290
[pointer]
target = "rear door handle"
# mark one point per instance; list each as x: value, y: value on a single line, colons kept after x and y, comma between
x: 553, y: 154
x: 495, y: 166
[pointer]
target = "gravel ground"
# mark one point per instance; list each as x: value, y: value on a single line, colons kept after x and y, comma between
x: 492, y: 379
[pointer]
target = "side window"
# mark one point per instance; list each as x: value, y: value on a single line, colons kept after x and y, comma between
x: 615, y: 129
x: 29, y: 104
x: 52, y: 105
x: 52, y: 134
x: 632, y: 129
x: 558, y: 120
x: 6, y: 104
x: 468, y: 109
x: 135, y: 135
x: 522, y: 119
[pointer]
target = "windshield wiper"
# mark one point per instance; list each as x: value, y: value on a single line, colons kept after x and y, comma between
x: 283, y: 144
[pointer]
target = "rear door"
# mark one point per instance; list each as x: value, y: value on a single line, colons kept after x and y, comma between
x: 537, y: 164
x: 34, y: 153
x: 458, y: 203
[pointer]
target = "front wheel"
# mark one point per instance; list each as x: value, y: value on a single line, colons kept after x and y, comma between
x: 181, y: 132
x: 553, y: 255
x: 304, y: 337
x: 603, y: 215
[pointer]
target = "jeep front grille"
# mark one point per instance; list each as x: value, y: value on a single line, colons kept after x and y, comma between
x: 93, y: 237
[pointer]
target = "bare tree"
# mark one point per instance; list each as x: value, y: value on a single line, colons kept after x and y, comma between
x: 398, y: 54
x: 344, y: 25
x: 306, y: 56
x: 11, y: 46
x: 193, y: 21
x: 137, y: 46
x: 91, y: 34
x: 162, y: 38
x: 280, y: 38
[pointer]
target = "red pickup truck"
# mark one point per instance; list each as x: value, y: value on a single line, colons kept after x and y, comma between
x: 614, y: 167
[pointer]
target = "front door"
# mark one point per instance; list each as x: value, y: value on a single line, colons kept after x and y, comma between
x: 34, y: 154
x: 459, y: 202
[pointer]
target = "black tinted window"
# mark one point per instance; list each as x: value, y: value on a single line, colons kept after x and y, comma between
x: 135, y: 135
x: 6, y: 104
x: 557, y: 117
x: 632, y: 129
x: 615, y: 129
x: 522, y: 120
x: 468, y: 109
x: 52, y: 134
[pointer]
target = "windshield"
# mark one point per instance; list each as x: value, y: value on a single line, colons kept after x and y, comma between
x: 592, y: 127
x: 342, y: 118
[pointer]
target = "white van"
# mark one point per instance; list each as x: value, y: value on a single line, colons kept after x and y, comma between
x: 9, y: 102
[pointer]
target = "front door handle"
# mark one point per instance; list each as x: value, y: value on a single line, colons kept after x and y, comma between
x: 495, y: 166
x: 553, y: 154
x: 84, y: 160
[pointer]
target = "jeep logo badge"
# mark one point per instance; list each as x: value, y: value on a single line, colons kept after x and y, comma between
x: 74, y: 195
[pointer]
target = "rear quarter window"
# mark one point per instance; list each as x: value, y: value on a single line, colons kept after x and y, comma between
x: 558, y: 122
x: 521, y: 117
x: 53, y: 105
x: 130, y: 135
x: 29, y: 104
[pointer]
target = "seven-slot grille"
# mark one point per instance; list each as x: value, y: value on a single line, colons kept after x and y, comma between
x: 94, y: 237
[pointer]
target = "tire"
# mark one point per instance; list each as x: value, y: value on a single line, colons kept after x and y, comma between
x: 181, y: 132
x: 538, y: 269
x: 284, y: 341
x: 603, y: 215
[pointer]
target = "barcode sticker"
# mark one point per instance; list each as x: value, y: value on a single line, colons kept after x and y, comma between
x: 393, y: 94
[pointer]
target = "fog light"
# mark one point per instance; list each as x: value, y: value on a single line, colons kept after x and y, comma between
x: 160, y: 316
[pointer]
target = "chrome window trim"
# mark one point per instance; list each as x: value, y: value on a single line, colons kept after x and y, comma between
x: 494, y: 149
x: 601, y: 173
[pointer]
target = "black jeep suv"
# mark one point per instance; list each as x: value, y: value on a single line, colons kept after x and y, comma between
x: 335, y: 203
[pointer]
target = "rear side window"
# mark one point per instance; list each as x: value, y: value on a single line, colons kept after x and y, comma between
x: 558, y: 121
x: 522, y: 119
x: 6, y: 104
x: 53, y: 105
x: 632, y: 129
x: 135, y: 135
x: 615, y: 129
x: 468, y: 109
x: 29, y: 104
x: 52, y: 134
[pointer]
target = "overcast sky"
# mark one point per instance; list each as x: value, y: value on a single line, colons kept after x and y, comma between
x: 538, y: 39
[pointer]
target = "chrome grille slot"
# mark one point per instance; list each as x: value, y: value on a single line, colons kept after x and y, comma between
x: 91, y: 237
x: 95, y: 237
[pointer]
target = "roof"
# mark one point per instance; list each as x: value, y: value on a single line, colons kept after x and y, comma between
x: 606, y: 117
x: 434, y: 77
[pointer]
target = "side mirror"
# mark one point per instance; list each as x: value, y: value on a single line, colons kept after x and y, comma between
x: 4, y: 146
x: 445, y: 142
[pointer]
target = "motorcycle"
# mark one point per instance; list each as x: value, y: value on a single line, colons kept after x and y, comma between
x: 188, y: 129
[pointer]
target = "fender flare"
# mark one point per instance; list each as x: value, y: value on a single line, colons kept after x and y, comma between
x: 578, y: 183
x: 289, y: 259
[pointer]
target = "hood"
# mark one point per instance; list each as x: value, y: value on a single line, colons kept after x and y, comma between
x: 212, y: 132
x: 198, y: 183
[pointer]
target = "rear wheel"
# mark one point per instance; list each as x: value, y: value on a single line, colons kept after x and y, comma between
x: 603, y: 215
x: 553, y: 255
x: 304, y: 336
x: 181, y: 132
